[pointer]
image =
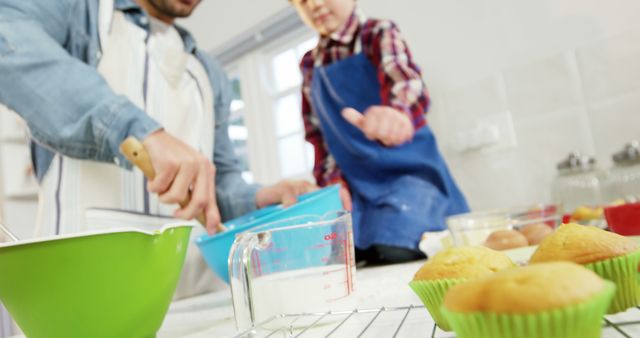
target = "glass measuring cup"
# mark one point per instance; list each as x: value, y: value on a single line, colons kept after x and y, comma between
x: 301, y: 264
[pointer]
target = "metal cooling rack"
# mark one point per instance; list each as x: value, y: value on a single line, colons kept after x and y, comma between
x: 619, y: 326
x: 372, y: 323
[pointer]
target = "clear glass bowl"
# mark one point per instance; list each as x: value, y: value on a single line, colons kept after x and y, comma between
x: 475, y: 227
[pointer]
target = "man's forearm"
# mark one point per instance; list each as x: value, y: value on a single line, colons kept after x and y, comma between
x: 67, y: 104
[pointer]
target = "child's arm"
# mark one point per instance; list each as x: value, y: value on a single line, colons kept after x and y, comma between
x: 382, y: 123
x: 400, y: 78
x: 403, y: 94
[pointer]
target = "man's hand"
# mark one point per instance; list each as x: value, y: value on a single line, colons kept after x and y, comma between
x: 180, y: 171
x: 285, y: 192
x: 382, y: 123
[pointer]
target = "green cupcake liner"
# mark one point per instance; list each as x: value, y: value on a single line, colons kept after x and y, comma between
x: 431, y: 293
x: 624, y: 272
x: 577, y: 321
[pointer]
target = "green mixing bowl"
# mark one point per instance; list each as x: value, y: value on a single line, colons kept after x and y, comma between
x: 101, y: 285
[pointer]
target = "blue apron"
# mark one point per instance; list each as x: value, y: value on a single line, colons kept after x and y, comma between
x: 398, y: 192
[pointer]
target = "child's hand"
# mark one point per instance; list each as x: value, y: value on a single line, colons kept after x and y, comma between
x: 381, y: 123
x: 285, y: 192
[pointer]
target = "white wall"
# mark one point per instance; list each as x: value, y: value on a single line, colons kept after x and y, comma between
x: 548, y: 76
x: 215, y: 22
x: 18, y: 187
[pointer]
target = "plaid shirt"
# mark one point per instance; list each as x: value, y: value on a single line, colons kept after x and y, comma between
x: 401, y: 84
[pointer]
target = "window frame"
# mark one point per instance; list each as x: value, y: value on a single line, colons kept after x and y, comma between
x: 259, y: 96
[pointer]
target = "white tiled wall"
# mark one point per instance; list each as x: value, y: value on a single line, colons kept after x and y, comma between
x: 585, y: 98
x: 544, y: 140
x: 476, y: 100
x: 542, y: 86
x: 610, y: 66
x: 557, y: 75
x: 615, y: 121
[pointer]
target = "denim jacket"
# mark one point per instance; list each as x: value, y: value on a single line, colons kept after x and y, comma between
x: 49, y: 51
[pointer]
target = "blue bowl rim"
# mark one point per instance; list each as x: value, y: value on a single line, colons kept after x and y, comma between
x: 278, y: 209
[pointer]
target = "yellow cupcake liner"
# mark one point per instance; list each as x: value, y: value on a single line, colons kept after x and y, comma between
x: 578, y: 321
x: 624, y: 271
x: 431, y: 293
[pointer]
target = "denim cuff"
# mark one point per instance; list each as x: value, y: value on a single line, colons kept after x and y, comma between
x: 234, y: 203
x: 121, y: 121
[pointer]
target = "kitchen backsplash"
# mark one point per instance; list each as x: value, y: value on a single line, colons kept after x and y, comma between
x: 586, y: 98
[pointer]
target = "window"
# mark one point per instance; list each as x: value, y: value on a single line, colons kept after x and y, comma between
x: 294, y: 153
x: 266, y: 125
x: 238, y: 132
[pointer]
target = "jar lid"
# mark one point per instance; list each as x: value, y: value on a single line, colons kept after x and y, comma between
x: 629, y: 155
x: 577, y: 161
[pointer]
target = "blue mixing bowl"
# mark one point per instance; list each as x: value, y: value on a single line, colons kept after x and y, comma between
x: 215, y: 248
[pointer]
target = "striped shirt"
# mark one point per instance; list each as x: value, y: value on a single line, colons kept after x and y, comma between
x: 401, y: 84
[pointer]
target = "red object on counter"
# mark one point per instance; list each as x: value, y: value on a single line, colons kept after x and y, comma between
x: 624, y: 219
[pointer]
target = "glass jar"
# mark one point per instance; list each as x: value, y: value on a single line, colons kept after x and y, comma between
x: 578, y: 182
x: 623, y: 180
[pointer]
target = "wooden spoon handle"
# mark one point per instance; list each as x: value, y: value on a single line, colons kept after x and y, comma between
x: 136, y: 153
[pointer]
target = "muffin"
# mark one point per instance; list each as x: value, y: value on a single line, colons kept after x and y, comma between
x: 583, y: 245
x: 536, y: 232
x: 551, y: 300
x: 505, y: 240
x: 451, y: 267
x: 613, y: 257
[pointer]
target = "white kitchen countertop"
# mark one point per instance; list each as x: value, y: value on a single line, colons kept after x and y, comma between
x: 212, y: 315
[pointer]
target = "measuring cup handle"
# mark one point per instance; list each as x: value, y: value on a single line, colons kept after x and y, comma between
x: 240, y: 276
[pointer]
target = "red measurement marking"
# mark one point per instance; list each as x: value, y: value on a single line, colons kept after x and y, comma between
x: 332, y: 271
x: 320, y: 246
x: 255, y: 263
x: 330, y: 236
x: 348, y: 262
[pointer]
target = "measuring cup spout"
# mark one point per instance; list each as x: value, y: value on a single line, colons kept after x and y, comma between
x: 264, y: 240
